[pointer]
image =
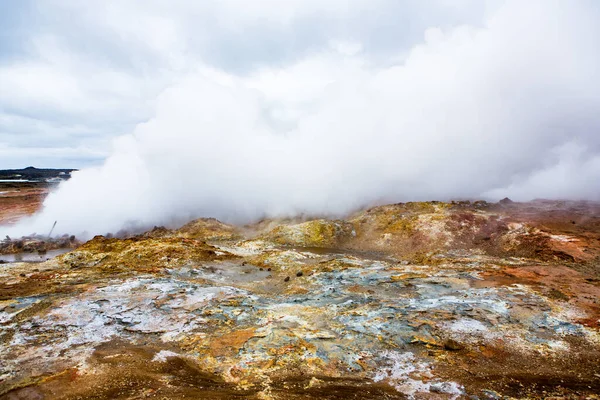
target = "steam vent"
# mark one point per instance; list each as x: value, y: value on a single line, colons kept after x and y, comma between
x: 406, y: 301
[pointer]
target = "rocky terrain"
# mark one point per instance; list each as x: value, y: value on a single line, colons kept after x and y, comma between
x: 419, y: 300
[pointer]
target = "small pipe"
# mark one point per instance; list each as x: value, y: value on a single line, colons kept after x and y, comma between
x: 50, y: 234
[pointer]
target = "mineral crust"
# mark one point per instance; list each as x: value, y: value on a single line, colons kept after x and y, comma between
x: 418, y: 300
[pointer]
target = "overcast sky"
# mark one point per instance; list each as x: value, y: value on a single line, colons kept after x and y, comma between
x: 75, y: 74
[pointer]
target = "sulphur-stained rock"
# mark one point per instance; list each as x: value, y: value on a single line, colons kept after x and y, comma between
x: 208, y: 229
x: 452, y: 344
x: 316, y: 233
x: 141, y: 252
x: 459, y: 300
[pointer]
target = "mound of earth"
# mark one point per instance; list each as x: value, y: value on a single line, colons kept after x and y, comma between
x: 209, y: 229
x: 315, y: 233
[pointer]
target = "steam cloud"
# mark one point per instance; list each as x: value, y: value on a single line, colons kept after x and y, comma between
x: 510, y: 108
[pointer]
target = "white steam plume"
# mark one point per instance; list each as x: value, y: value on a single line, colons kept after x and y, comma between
x: 511, y: 108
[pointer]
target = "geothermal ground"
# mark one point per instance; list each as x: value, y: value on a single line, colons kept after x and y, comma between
x: 417, y: 300
x: 19, y: 199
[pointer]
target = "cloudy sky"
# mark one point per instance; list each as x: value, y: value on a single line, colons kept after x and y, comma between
x: 241, y: 109
x: 75, y: 74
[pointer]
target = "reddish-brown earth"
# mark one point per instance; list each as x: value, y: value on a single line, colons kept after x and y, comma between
x: 20, y: 199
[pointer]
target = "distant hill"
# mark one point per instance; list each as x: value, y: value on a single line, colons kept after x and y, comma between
x: 34, y: 174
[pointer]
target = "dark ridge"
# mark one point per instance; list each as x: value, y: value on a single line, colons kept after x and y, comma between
x: 32, y: 173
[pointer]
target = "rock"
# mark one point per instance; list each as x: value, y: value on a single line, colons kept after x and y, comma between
x: 208, y: 229
x: 453, y: 345
x: 158, y: 232
x: 491, y: 394
x: 35, y: 244
x: 316, y: 233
